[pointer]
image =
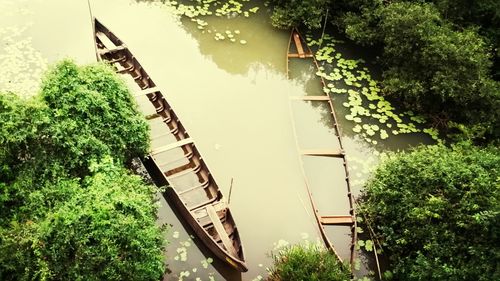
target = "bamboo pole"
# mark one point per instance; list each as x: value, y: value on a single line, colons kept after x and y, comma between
x: 230, y: 191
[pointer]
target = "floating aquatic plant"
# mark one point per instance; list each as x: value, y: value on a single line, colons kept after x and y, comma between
x: 203, y: 8
x: 22, y: 65
x: 364, y: 101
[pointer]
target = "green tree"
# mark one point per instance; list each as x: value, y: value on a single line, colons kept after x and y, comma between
x: 290, y: 13
x: 69, y: 209
x: 105, y: 231
x: 21, y: 122
x: 307, y: 262
x: 92, y: 114
x: 429, y: 66
x: 437, y: 211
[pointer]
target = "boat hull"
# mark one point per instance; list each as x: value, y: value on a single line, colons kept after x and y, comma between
x: 303, y: 51
x: 218, y: 232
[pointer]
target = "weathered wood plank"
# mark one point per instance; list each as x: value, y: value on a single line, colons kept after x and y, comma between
x: 307, y: 55
x: 108, y: 44
x: 298, y: 44
x: 172, y: 146
x: 323, y: 152
x: 147, y: 91
x: 226, y: 241
x: 337, y: 220
x: 311, y: 98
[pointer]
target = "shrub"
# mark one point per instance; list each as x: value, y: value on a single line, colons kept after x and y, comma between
x: 69, y: 210
x: 437, y: 210
x: 429, y: 66
x: 290, y: 13
x: 307, y: 262
x: 104, y: 231
x: 92, y: 114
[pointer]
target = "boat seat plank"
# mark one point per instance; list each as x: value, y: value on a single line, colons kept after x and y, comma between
x: 307, y: 55
x: 106, y: 51
x: 202, y: 214
x: 172, y: 146
x: 226, y: 241
x: 298, y: 44
x: 108, y: 44
x: 202, y: 185
x: 183, y: 170
x: 323, y: 152
x: 311, y: 98
x: 147, y: 91
x: 337, y: 220
x: 203, y: 204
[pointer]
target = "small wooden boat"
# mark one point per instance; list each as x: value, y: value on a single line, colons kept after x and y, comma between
x: 298, y: 49
x: 178, y: 163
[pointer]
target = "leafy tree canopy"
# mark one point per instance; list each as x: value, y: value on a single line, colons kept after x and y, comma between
x: 437, y: 211
x: 429, y: 66
x: 290, y: 13
x: 70, y: 211
x: 105, y: 230
x: 92, y: 113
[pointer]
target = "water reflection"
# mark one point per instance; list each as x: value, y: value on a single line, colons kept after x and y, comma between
x: 233, y: 99
x: 240, y: 124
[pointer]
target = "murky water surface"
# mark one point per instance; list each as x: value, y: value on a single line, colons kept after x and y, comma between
x: 233, y: 99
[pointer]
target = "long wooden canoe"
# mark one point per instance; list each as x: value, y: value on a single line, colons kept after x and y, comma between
x: 298, y: 49
x: 178, y: 163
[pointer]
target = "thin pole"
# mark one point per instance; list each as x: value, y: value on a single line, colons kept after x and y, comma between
x: 230, y: 190
x: 324, y: 27
x: 92, y: 22
x: 375, y: 242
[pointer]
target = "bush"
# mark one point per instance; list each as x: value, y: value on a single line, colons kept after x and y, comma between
x: 92, y: 114
x: 69, y: 209
x: 290, y: 13
x: 20, y: 125
x: 429, y: 66
x: 307, y: 262
x: 105, y: 231
x: 437, y: 210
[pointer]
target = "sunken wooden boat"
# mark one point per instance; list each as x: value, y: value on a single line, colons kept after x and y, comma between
x: 177, y: 162
x: 298, y: 49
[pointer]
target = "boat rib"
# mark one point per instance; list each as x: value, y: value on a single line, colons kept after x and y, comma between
x: 179, y: 164
x: 303, y: 51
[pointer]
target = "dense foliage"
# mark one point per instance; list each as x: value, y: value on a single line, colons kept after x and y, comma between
x: 439, y: 58
x: 429, y: 66
x: 101, y: 229
x: 437, y: 211
x: 307, y: 262
x: 289, y: 13
x: 70, y: 211
x: 93, y: 114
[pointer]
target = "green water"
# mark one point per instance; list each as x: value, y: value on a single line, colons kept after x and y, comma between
x: 233, y: 99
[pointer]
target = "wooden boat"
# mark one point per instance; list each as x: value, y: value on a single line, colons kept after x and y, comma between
x: 192, y: 190
x: 298, y: 49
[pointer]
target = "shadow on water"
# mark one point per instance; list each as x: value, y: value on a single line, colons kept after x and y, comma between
x: 225, y: 271
x: 262, y: 40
